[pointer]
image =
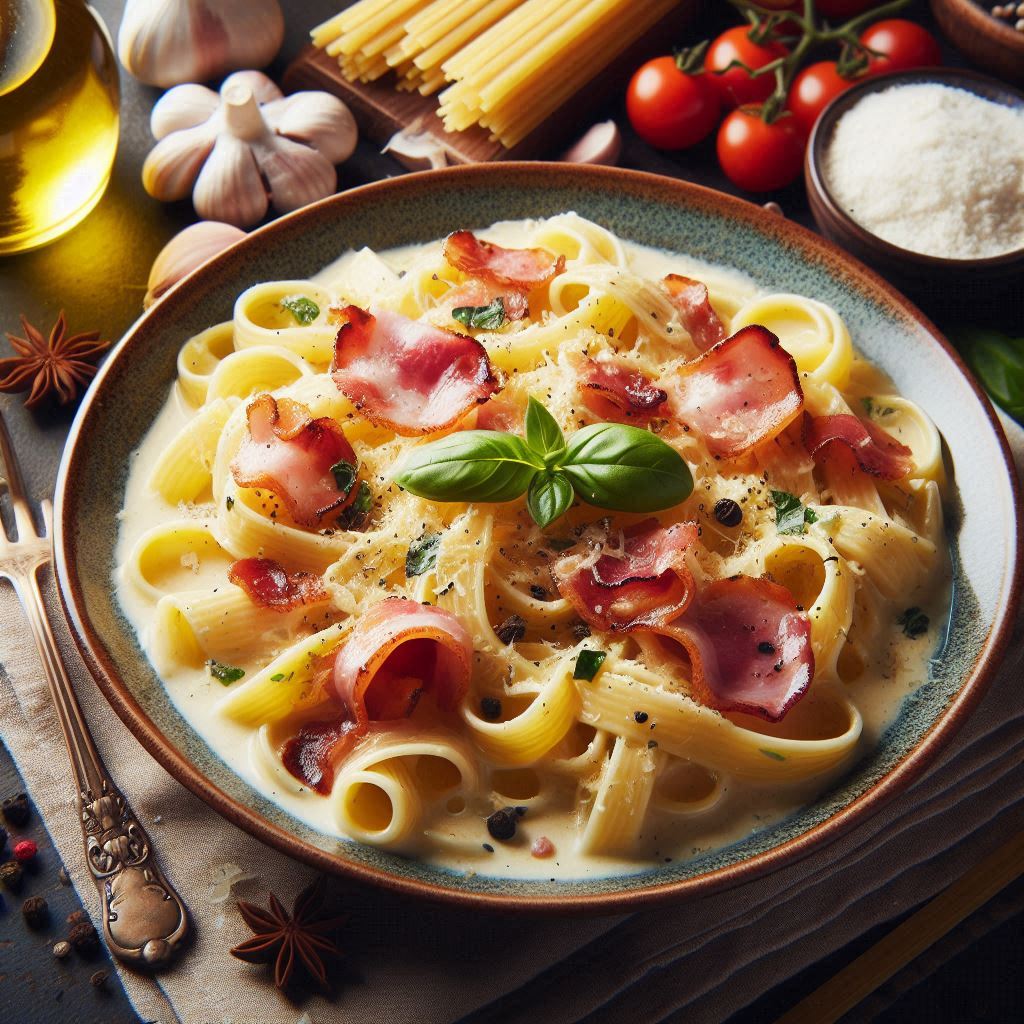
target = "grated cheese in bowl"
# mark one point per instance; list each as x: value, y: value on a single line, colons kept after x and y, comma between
x: 933, y: 169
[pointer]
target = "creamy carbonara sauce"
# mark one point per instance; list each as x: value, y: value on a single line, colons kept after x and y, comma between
x: 174, y: 556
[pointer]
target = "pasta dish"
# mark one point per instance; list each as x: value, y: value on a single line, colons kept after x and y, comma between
x: 533, y: 551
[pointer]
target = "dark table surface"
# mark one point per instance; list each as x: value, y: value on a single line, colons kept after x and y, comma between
x: 98, y: 273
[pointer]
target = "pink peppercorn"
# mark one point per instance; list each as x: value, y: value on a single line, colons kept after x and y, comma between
x: 25, y: 850
x: 542, y: 847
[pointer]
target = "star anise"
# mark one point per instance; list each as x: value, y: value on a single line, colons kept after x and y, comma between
x: 55, y: 367
x: 302, y: 938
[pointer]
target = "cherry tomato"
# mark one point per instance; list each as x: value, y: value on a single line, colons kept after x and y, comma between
x: 669, y: 108
x: 839, y: 10
x: 757, y: 156
x: 812, y: 91
x: 905, y: 44
x: 735, y: 87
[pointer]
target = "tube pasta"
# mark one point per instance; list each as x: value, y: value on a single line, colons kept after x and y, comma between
x: 185, y: 468
x: 200, y: 356
x: 620, y: 803
x: 262, y: 320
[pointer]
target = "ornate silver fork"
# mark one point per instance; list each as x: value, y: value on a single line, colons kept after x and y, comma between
x: 144, y: 919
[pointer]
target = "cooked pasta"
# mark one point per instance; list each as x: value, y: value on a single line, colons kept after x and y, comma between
x: 460, y: 678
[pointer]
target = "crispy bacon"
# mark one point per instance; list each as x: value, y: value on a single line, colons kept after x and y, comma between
x: 615, y: 392
x: 477, y: 292
x: 749, y: 646
x: 743, y: 391
x: 407, y: 375
x: 312, y: 756
x: 696, y: 313
x: 876, y: 451
x: 270, y: 585
x: 398, y: 650
x: 646, y: 584
x: 290, y: 453
x: 522, y: 269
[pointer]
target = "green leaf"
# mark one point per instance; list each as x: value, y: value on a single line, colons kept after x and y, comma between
x: 344, y: 476
x: 549, y: 497
x: 998, y: 360
x: 625, y: 469
x: 773, y: 754
x: 304, y: 309
x: 224, y: 674
x: 543, y: 434
x: 487, y: 318
x: 588, y: 664
x: 353, y: 515
x: 914, y: 622
x: 790, y: 514
x: 470, y: 465
x: 422, y: 555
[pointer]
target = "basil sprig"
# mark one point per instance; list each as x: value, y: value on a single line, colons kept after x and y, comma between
x: 998, y: 360
x: 609, y: 465
x: 304, y: 309
x: 791, y: 514
x: 486, y: 318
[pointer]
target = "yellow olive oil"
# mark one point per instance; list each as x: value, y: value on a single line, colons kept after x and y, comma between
x: 58, y: 118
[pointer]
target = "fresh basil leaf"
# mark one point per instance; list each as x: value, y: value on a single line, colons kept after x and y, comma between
x: 487, y: 318
x: 998, y: 360
x: 914, y: 622
x: 344, y: 476
x: 304, y: 309
x: 790, y: 513
x: 625, y: 469
x: 549, y: 496
x: 224, y: 674
x: 354, y: 514
x: 543, y: 434
x: 470, y: 465
x: 588, y: 663
x: 422, y: 555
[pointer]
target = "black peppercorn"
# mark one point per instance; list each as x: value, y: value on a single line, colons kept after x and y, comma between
x: 539, y: 593
x: 35, y: 911
x: 766, y: 647
x: 728, y: 512
x: 490, y: 708
x: 512, y: 630
x: 640, y: 717
x: 84, y: 938
x: 10, y: 874
x: 16, y: 809
x: 502, y: 824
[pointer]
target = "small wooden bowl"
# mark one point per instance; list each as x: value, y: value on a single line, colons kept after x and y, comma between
x: 929, y: 278
x: 990, y: 43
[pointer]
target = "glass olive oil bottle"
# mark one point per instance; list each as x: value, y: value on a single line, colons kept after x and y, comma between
x: 58, y: 118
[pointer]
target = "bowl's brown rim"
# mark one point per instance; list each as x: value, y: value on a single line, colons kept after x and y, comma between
x: 976, y: 16
x: 663, y: 189
x: 817, y: 180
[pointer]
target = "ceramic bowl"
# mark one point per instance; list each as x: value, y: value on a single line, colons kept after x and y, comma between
x: 990, y: 43
x: 930, y: 277
x: 649, y: 209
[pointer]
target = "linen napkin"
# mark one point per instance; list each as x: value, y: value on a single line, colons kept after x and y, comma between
x: 414, y: 962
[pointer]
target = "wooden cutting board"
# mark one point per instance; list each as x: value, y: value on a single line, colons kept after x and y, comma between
x: 381, y: 110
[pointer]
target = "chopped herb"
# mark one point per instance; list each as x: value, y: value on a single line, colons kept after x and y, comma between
x: 490, y: 708
x: 225, y: 674
x: 914, y: 622
x: 790, y: 514
x: 728, y: 512
x: 344, y: 476
x: 512, y: 630
x: 277, y: 678
x: 488, y: 847
x: 773, y: 754
x: 869, y: 405
x: 422, y: 555
x: 229, y: 503
x: 580, y: 630
x: 487, y: 318
x: 640, y: 717
x: 304, y: 309
x: 539, y: 593
x: 588, y: 663
x: 502, y: 824
x: 354, y: 515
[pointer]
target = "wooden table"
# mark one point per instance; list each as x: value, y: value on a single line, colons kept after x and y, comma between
x: 98, y: 274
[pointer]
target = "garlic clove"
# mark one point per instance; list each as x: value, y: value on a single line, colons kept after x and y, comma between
x: 602, y: 144
x: 165, y: 42
x: 186, y: 251
x: 184, y: 106
x: 256, y: 82
x: 172, y: 165
x: 318, y: 119
x: 295, y: 174
x: 416, y: 151
x: 229, y: 187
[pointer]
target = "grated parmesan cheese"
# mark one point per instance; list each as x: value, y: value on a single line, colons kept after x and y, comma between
x: 933, y: 169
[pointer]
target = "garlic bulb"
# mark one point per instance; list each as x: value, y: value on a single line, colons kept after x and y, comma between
x: 246, y: 148
x: 187, y: 250
x: 164, y: 42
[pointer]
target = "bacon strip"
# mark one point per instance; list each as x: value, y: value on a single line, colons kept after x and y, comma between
x: 398, y: 650
x: 477, y: 292
x: 523, y: 269
x: 290, y: 453
x: 647, y: 585
x: 749, y: 647
x: 313, y: 755
x: 407, y: 375
x: 270, y: 585
x: 876, y: 451
x: 743, y: 391
x: 615, y: 392
x: 696, y: 313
